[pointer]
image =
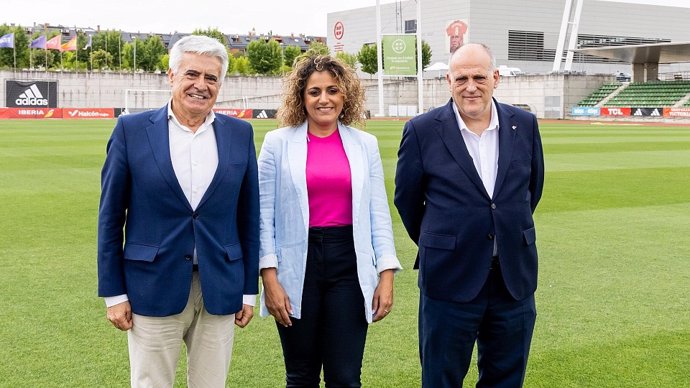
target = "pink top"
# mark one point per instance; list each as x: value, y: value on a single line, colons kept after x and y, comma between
x: 329, y: 183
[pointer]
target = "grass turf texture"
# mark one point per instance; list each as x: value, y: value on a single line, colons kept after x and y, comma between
x: 613, y: 235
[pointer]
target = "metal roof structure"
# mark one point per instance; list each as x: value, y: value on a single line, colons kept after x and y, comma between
x: 645, y: 58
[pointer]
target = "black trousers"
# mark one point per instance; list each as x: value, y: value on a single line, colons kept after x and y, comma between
x: 332, y: 330
x: 500, y: 325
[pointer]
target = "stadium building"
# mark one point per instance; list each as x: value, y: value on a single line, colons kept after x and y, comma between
x: 523, y: 34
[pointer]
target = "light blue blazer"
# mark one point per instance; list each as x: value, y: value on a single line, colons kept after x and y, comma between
x: 284, y: 209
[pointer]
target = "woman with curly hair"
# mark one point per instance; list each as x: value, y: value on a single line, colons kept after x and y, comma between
x: 327, y: 256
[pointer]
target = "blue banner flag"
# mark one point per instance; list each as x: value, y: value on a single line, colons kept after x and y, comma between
x: 7, y: 40
x: 39, y: 42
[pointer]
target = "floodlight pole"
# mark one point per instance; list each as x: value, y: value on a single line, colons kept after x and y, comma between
x: 420, y: 76
x: 379, y: 57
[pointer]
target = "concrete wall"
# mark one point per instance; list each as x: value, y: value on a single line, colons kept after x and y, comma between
x: 548, y: 96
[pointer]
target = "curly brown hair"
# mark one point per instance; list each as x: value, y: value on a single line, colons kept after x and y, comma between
x: 292, y: 111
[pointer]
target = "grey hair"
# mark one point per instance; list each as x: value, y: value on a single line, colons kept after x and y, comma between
x: 202, y: 45
x: 482, y: 45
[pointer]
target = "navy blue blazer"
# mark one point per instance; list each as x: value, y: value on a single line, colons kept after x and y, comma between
x: 450, y: 216
x: 152, y: 261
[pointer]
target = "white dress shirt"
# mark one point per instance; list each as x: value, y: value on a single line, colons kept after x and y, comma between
x: 194, y: 157
x: 484, y: 151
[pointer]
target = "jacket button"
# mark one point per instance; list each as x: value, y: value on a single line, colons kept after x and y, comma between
x: 195, y: 215
x: 188, y: 257
x: 493, y: 206
x: 490, y: 236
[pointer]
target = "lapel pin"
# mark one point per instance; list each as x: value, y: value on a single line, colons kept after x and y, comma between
x: 514, y: 127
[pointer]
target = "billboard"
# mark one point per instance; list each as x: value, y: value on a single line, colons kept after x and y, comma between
x: 400, y: 54
x: 31, y: 94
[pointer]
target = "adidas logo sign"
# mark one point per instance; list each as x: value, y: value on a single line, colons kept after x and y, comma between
x: 31, y: 96
x: 262, y: 115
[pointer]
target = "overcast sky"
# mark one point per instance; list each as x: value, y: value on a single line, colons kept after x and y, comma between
x: 282, y: 17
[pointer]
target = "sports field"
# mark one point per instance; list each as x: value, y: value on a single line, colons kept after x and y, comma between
x: 613, y: 235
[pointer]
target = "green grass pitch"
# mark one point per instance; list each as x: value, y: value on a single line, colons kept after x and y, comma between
x: 613, y: 235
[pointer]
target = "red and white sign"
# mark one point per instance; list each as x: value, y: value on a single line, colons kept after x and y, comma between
x: 30, y: 113
x: 676, y: 112
x: 88, y: 113
x: 610, y: 111
x: 338, y: 30
x: 239, y: 113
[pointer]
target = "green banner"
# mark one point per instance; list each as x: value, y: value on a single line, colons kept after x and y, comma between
x: 399, y: 55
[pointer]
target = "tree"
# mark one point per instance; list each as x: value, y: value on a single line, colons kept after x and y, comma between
x: 153, y: 51
x: 242, y: 66
x: 21, y: 47
x: 100, y: 59
x: 367, y: 57
x: 318, y: 48
x: 290, y: 53
x: 212, y: 33
x: 265, y: 57
x: 426, y: 54
x: 349, y: 59
x: 111, y: 42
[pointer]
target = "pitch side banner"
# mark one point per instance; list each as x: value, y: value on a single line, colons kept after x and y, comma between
x: 239, y: 113
x: 30, y: 113
x: 31, y: 94
x: 88, y: 113
x: 609, y: 111
x: 399, y: 54
x: 584, y: 111
x: 677, y: 112
x: 647, y: 112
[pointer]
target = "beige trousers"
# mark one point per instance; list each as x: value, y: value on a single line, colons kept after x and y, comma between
x: 154, y: 346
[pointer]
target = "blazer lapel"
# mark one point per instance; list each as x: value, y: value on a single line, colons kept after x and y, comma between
x: 223, y: 135
x: 449, y: 130
x: 506, y: 137
x: 297, y: 159
x: 159, y: 140
x: 355, y: 156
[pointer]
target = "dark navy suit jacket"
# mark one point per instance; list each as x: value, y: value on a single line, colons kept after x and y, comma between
x: 152, y: 261
x: 450, y: 216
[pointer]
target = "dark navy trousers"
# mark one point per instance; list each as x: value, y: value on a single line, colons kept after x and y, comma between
x: 332, y: 330
x: 501, y: 326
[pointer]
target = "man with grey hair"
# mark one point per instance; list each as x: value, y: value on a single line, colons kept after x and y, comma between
x: 178, y: 226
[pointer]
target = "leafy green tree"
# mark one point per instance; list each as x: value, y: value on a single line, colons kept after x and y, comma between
x: 349, y: 59
x: 101, y: 59
x: 111, y: 42
x: 426, y: 54
x: 290, y: 53
x: 153, y: 51
x: 242, y: 66
x: 165, y: 62
x: 265, y: 57
x: 212, y: 33
x: 21, y: 48
x: 367, y: 57
x: 318, y: 48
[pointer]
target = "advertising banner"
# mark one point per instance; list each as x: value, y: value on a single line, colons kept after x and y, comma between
x: 30, y: 113
x: 584, y: 111
x: 651, y: 112
x: 31, y: 94
x: 88, y: 113
x: 610, y: 111
x: 232, y: 112
x: 677, y: 112
x: 399, y: 55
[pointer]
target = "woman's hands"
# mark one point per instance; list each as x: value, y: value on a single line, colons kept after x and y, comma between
x: 277, y: 301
